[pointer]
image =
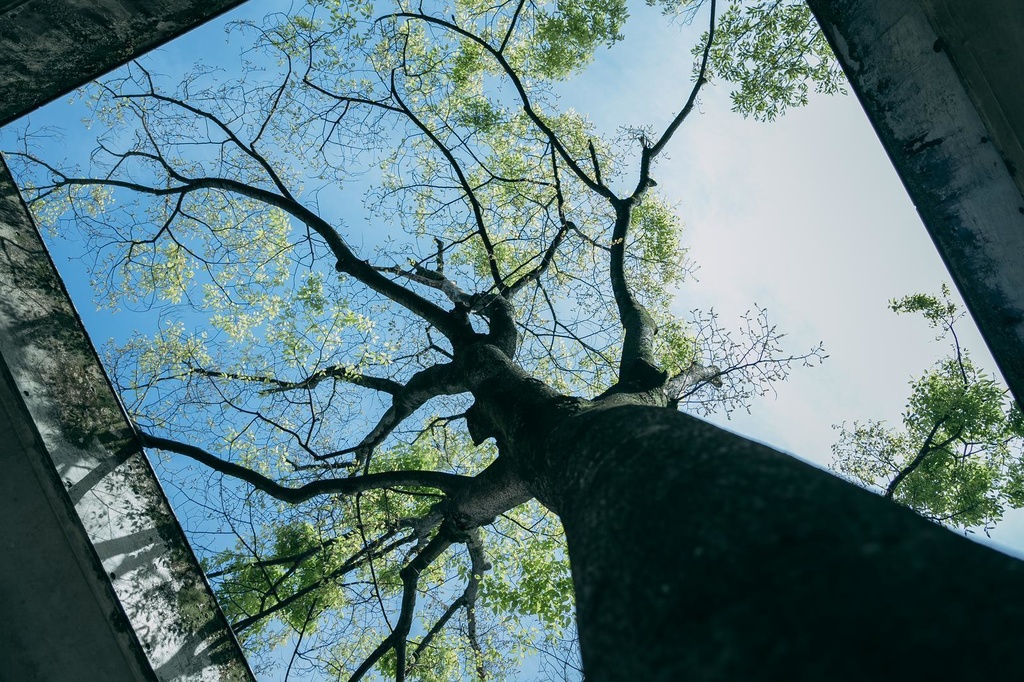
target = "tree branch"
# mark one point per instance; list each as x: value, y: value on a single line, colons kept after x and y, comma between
x: 478, y: 566
x: 354, y: 562
x: 693, y: 375
x: 511, y: 25
x: 426, y: 384
x: 448, y: 324
x: 410, y: 575
x: 564, y: 226
x: 277, y: 561
x: 474, y: 203
x: 597, y: 187
x: 248, y: 150
x: 449, y: 483
x: 637, y: 367
x: 338, y: 372
x: 926, y: 449
x: 654, y: 150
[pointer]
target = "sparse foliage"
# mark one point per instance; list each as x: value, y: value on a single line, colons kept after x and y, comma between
x: 771, y: 51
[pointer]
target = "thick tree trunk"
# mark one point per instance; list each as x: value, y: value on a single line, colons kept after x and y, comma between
x: 700, y: 555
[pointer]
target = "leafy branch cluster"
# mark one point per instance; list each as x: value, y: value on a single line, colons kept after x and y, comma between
x: 771, y: 51
x: 958, y: 457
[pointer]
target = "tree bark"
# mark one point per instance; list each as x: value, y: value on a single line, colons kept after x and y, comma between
x: 700, y: 555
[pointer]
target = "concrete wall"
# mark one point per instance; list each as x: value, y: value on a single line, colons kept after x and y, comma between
x: 940, y: 81
x: 61, y: 619
x: 984, y: 43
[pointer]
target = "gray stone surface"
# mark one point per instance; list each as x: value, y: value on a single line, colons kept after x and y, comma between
x: 49, y: 47
x: 61, y: 619
x: 985, y: 43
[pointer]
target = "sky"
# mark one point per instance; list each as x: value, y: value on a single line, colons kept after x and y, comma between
x: 804, y: 216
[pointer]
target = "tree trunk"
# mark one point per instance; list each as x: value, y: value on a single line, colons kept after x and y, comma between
x: 700, y: 555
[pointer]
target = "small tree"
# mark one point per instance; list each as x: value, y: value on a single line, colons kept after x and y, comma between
x: 398, y: 433
x: 957, y: 459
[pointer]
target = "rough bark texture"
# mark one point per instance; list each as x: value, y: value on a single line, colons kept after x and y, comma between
x: 700, y: 555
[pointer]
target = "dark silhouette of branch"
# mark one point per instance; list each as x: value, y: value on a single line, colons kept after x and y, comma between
x: 457, y: 330
x: 517, y: 83
x: 511, y: 26
x: 593, y: 159
x: 449, y: 483
x: 298, y: 642
x: 636, y: 363
x: 958, y: 349
x: 428, y: 383
x: 474, y: 203
x: 565, y: 225
x: 362, y: 556
x: 410, y: 575
x: 337, y: 372
x: 279, y: 560
x: 478, y: 566
x: 926, y: 449
x: 637, y: 366
x: 658, y: 146
x: 249, y: 150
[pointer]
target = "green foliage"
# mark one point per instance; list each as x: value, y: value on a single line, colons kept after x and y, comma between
x: 940, y: 311
x: 675, y: 346
x: 531, y: 576
x: 772, y: 51
x: 957, y: 458
x: 566, y: 37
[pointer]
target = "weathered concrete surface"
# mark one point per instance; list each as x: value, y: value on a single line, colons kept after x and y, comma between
x: 985, y: 42
x: 49, y: 47
x: 84, y: 440
x: 97, y: 582
x: 940, y: 81
x: 59, y: 615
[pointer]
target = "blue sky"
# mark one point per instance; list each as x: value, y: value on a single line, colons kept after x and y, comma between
x: 804, y: 216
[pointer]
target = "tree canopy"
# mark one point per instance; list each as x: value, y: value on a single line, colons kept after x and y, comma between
x: 342, y: 246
